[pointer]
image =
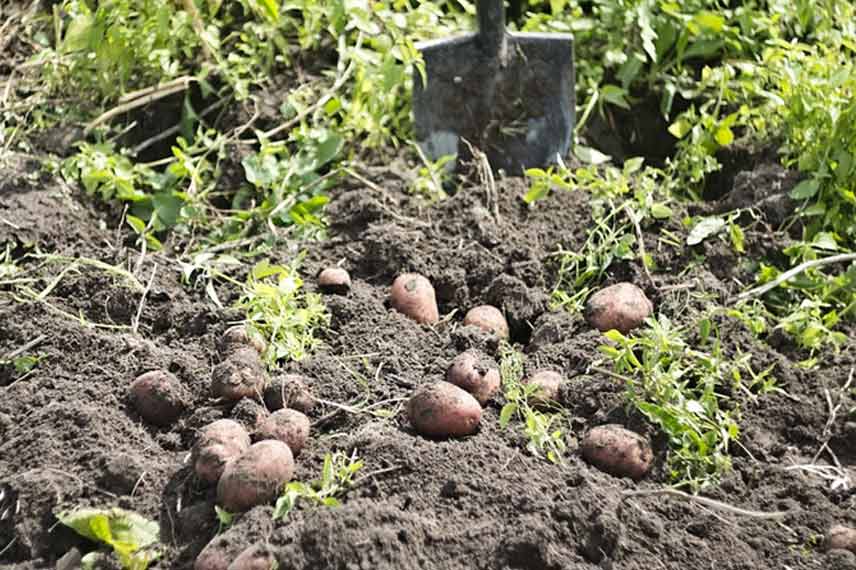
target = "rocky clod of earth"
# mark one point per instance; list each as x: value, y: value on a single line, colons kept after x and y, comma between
x: 622, y: 307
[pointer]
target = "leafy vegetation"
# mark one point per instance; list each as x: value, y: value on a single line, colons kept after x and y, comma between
x: 131, y: 536
x: 545, y: 439
x: 336, y: 477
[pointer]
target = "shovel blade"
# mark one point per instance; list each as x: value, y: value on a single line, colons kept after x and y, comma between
x: 518, y: 112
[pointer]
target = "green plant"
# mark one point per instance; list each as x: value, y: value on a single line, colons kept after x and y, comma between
x: 682, y: 389
x: 545, y: 440
x: 337, y: 476
x: 278, y: 309
x: 131, y: 536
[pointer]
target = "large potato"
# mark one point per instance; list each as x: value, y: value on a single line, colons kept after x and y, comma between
x: 488, y: 318
x: 618, y: 451
x: 288, y: 426
x: 219, y: 443
x: 241, y: 375
x: 841, y: 538
x: 289, y: 391
x: 413, y: 295
x: 217, y: 555
x: 256, y: 477
x: 548, y: 383
x: 256, y: 557
x: 158, y: 397
x: 443, y: 410
x: 622, y: 307
x: 476, y: 373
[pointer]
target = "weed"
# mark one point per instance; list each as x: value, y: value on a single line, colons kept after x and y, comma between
x: 337, y: 476
x: 539, y: 427
x: 131, y: 536
x: 278, y: 309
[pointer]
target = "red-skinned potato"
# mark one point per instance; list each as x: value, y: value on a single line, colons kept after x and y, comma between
x: 288, y: 426
x: 241, y: 375
x: 334, y: 280
x: 256, y: 557
x: 618, y: 451
x: 548, y: 382
x: 217, y: 555
x: 841, y: 538
x: 413, y: 295
x: 289, y: 391
x: 488, y: 318
x: 158, y: 397
x: 219, y: 443
x: 476, y: 373
x: 443, y: 410
x: 622, y: 307
x: 237, y: 337
x: 256, y: 477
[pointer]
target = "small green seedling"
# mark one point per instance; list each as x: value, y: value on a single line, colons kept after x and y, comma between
x: 337, y: 476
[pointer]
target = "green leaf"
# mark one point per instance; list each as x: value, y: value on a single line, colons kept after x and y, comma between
x: 591, y: 155
x: 125, y: 531
x: 536, y: 192
x: 680, y: 128
x: 507, y: 412
x: 138, y: 225
x: 615, y: 95
x: 710, y: 21
x: 737, y: 238
x: 805, y: 189
x: 705, y: 228
x: 615, y: 336
x: 79, y: 34
x: 723, y: 136
x: 661, y: 211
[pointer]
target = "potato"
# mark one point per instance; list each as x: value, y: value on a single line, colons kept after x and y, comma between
x: 289, y: 391
x: 413, y: 295
x: 288, y: 426
x: 488, y: 318
x: 241, y: 375
x: 158, y: 397
x: 237, y: 337
x: 256, y: 557
x: 622, y: 307
x: 216, y: 555
x: 443, y: 410
x: 256, y: 477
x: 618, y: 451
x: 334, y: 280
x: 476, y: 373
x: 841, y: 538
x: 548, y: 382
x: 219, y: 443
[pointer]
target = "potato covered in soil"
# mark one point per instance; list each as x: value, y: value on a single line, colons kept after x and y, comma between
x: 237, y: 337
x: 241, y: 375
x: 548, y: 382
x: 219, y: 443
x: 618, y: 451
x: 256, y: 477
x: 217, y: 555
x: 841, y: 538
x: 443, y: 410
x: 334, y: 280
x: 622, y: 307
x: 158, y: 397
x: 476, y: 373
x: 289, y: 391
x: 288, y: 426
x: 413, y: 295
x: 488, y: 318
x: 256, y: 557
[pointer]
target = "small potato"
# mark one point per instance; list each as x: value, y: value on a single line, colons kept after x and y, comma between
x: 476, y: 373
x: 256, y: 557
x: 334, y: 280
x: 288, y: 426
x: 443, y: 410
x: 622, y: 307
x: 289, y: 391
x: 413, y: 295
x: 219, y: 443
x: 158, y: 397
x: 241, y: 375
x: 548, y: 382
x: 841, y: 538
x: 488, y: 318
x: 618, y: 451
x: 237, y: 337
x: 255, y: 477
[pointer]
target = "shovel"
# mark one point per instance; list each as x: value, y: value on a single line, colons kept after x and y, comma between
x: 508, y: 95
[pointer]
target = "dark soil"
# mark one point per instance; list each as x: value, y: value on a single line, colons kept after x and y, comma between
x: 69, y: 437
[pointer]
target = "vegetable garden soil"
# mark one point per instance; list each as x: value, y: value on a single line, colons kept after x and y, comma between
x: 68, y: 436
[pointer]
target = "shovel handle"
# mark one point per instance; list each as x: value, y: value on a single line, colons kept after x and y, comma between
x: 491, y: 14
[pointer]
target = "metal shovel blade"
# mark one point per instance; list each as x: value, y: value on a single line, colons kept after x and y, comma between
x: 511, y: 96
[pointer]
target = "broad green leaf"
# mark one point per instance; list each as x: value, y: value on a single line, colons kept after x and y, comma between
x: 661, y: 211
x: 680, y: 128
x: 805, y: 189
x: 508, y: 411
x: 705, y: 228
x: 615, y: 336
x: 591, y: 155
x: 536, y: 192
x: 723, y: 136
x: 615, y: 95
x: 710, y: 21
